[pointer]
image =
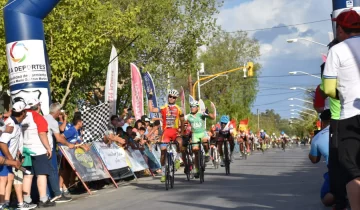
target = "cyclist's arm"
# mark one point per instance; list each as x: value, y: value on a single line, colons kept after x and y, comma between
x: 211, y: 116
x: 152, y: 108
x: 182, y: 120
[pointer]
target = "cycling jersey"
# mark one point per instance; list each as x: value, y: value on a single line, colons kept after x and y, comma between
x: 242, y: 135
x: 171, y: 122
x: 225, y: 133
x: 197, y: 123
x: 262, y: 135
x: 171, y: 116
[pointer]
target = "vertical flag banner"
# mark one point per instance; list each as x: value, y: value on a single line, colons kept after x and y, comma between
x: 182, y: 97
x: 191, y: 99
x: 244, y: 124
x: 213, y: 108
x: 137, y: 92
x: 149, y: 87
x: 202, y: 105
x: 112, y: 81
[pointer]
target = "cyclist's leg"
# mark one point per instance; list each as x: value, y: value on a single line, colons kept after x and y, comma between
x: 241, y: 145
x: 205, y: 140
x: 165, y: 139
x: 232, y: 144
x: 195, y: 149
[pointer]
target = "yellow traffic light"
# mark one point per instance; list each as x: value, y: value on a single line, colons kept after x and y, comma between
x: 250, y: 69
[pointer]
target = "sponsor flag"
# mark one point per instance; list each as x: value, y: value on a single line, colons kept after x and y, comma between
x: 191, y: 99
x: 213, y: 108
x: 137, y: 92
x: 112, y: 81
x: 149, y: 87
x: 182, y: 97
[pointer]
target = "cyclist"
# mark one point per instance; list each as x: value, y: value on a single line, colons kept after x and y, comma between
x: 262, y: 138
x: 251, y: 139
x: 212, y: 134
x: 243, y: 137
x: 197, y: 122
x: 225, y: 131
x: 283, y: 138
x: 172, y: 119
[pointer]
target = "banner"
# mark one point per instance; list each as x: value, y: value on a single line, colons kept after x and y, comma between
x: 88, y: 165
x: 112, y: 81
x: 112, y: 156
x: 213, y: 108
x: 244, y: 124
x: 202, y: 106
x: 182, y: 97
x: 191, y: 99
x: 149, y: 87
x: 135, y: 160
x: 137, y: 92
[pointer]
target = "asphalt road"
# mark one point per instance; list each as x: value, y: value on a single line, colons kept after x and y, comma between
x: 274, y: 180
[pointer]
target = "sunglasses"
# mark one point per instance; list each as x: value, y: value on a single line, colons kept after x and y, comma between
x: 193, y: 106
x: 174, y: 97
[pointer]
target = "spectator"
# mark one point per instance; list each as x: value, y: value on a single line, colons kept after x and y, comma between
x: 35, y: 129
x: 53, y: 131
x: 138, y: 124
x: 342, y: 81
x: 320, y: 147
x: 128, y: 121
x: 114, y: 120
x: 67, y: 175
x: 11, y: 145
x: 63, y: 124
x: 130, y: 138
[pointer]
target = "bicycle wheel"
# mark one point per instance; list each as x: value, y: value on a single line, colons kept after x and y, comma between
x: 227, y: 161
x: 172, y: 172
x: 201, y: 166
x: 187, y: 166
x: 167, y: 173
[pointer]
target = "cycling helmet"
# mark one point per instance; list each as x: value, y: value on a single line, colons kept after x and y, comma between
x: 262, y: 130
x: 173, y: 92
x: 194, y: 103
x: 250, y: 132
x: 242, y: 129
x: 224, y: 119
x: 282, y: 132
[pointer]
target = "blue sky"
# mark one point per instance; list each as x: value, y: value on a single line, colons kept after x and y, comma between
x: 279, y: 57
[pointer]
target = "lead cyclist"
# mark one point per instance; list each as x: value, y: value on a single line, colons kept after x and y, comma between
x: 173, y: 118
x: 197, y: 122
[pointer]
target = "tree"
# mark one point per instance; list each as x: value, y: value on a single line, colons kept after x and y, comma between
x: 233, y: 95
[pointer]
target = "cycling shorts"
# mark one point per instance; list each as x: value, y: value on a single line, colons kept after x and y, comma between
x: 196, y: 137
x: 169, y: 134
x: 212, y: 141
x: 222, y: 137
x: 185, y: 141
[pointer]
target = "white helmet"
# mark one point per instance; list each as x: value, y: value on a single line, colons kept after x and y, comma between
x: 194, y: 103
x: 173, y: 92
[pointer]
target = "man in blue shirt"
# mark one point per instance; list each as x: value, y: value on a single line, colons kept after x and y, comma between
x: 320, y: 147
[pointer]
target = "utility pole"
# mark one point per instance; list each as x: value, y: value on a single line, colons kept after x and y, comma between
x: 257, y: 110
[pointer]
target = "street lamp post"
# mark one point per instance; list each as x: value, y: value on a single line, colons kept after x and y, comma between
x: 295, y: 88
x: 292, y: 105
x: 291, y: 99
x: 297, y: 110
x: 302, y: 72
x: 303, y: 39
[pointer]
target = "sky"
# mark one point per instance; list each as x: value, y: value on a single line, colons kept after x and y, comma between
x: 277, y: 56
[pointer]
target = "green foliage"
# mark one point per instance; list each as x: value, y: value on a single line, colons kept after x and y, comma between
x: 233, y: 95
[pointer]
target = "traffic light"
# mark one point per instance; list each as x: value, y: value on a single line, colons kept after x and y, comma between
x: 250, y: 69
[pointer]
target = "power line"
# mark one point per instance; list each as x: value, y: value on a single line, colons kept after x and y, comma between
x: 277, y: 27
x: 274, y: 102
x: 280, y: 93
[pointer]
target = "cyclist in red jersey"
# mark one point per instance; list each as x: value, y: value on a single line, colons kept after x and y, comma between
x: 172, y: 119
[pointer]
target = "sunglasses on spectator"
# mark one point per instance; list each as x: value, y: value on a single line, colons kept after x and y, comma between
x: 174, y: 97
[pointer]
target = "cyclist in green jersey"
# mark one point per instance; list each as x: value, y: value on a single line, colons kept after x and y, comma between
x: 197, y: 122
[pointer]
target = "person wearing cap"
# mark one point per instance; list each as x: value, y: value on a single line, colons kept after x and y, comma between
x: 320, y: 147
x: 34, y: 129
x: 11, y: 145
x: 55, y: 136
x: 342, y: 81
